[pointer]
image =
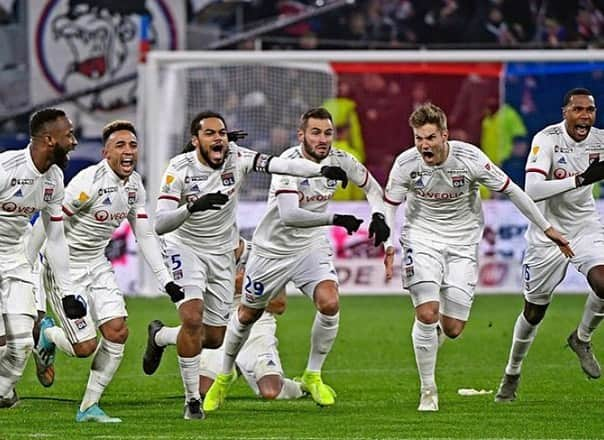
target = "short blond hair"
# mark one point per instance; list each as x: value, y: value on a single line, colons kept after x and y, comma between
x: 428, y: 114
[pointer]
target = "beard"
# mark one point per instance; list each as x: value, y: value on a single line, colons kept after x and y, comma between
x: 60, y: 157
x: 312, y: 153
x: 211, y: 164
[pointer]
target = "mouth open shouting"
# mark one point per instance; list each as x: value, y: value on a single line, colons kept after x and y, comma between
x: 215, y: 154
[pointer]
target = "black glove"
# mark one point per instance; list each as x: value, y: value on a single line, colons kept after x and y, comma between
x: 335, y: 173
x: 593, y: 173
x: 75, y: 307
x: 174, y: 291
x: 378, y: 229
x: 350, y: 222
x: 235, y: 135
x: 208, y: 201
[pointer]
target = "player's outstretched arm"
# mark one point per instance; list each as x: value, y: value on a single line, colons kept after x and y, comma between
x: 527, y: 207
x: 299, y: 168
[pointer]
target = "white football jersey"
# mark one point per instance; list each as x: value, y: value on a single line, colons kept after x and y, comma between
x: 557, y: 156
x: 187, y: 178
x: 443, y: 203
x: 24, y: 191
x: 272, y: 238
x: 96, y: 202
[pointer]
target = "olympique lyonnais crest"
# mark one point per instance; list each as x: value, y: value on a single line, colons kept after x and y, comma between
x: 594, y: 157
x: 458, y: 181
x: 83, y: 43
x: 228, y: 179
x: 48, y: 192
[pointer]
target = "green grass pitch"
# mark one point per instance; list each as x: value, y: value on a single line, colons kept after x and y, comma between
x: 371, y: 367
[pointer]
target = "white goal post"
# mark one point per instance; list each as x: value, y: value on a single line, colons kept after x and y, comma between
x: 164, y: 89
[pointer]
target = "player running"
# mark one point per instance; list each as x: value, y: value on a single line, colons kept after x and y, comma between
x: 443, y: 225
x: 196, y: 216
x: 565, y: 160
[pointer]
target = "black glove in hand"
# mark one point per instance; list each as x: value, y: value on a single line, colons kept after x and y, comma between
x: 174, y: 291
x: 335, y: 173
x: 208, y: 201
x: 235, y: 135
x: 350, y: 222
x: 593, y: 173
x: 378, y: 229
x: 75, y: 308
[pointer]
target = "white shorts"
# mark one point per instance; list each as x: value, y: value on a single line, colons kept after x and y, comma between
x: 544, y: 267
x: 258, y: 357
x: 265, y: 277
x: 209, y: 277
x: 16, y: 284
x: 95, y: 282
x: 453, y: 268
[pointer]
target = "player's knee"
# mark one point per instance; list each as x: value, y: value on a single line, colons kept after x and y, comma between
x: 453, y: 331
x: 85, y: 348
x: 534, y: 313
x: 427, y: 315
x: 247, y: 315
x: 119, y: 336
x: 270, y: 389
x: 595, y: 277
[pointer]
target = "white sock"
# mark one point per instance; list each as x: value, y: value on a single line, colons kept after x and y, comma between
x: 322, y: 336
x: 189, y: 371
x: 425, y: 345
x: 524, y: 334
x: 105, y: 363
x: 236, y: 335
x: 19, y: 344
x: 593, y: 313
x: 166, y: 336
x: 59, y: 338
x: 290, y: 390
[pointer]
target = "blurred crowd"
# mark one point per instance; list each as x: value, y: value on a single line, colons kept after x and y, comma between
x: 391, y: 24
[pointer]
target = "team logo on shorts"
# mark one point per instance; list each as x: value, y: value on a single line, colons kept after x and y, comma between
x: 48, y: 192
x: 228, y: 179
x: 177, y: 274
x: 594, y: 157
x: 80, y: 323
x: 458, y: 181
x: 131, y: 197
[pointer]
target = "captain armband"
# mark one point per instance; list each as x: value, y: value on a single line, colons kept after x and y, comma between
x: 261, y: 162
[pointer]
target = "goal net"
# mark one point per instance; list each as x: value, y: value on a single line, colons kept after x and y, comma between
x: 495, y: 99
x: 264, y: 100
